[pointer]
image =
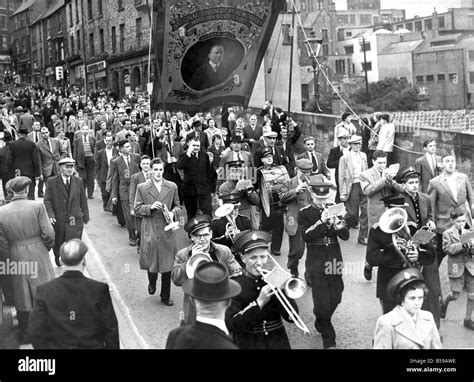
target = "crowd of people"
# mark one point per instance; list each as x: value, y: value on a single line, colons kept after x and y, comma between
x: 243, y: 182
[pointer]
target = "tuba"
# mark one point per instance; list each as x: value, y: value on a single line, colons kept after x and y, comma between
x: 394, y: 221
x: 231, y: 226
x: 194, y: 261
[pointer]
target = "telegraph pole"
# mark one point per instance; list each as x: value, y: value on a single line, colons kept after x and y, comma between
x: 367, y: 96
x: 84, y: 47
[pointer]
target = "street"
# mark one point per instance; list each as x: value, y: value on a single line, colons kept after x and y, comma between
x: 145, y: 322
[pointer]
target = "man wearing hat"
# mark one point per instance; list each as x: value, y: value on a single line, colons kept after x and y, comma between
x: 319, y: 164
x: 407, y: 326
x: 225, y: 228
x: 199, y: 228
x: 351, y: 166
x: 335, y: 155
x: 324, y: 264
x: 66, y: 203
x: 26, y: 236
x: 419, y: 212
x: 211, y: 291
x: 382, y: 253
x: 255, y: 315
x: 235, y: 153
x: 269, y: 140
x: 198, y: 133
x: 297, y: 196
x: 25, y: 160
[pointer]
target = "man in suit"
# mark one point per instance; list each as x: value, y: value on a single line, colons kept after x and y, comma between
x: 279, y: 159
x: 66, y: 204
x: 83, y: 154
x: 233, y: 154
x: 335, y: 155
x: 48, y: 111
x: 102, y: 162
x: 197, y: 132
x: 211, y: 73
x: 211, y: 290
x: 35, y: 135
x: 26, y: 121
x: 287, y: 144
x: 447, y: 191
x: 319, y: 164
x: 73, y: 311
x: 269, y: 110
x: 427, y: 165
x: 351, y: 166
x: 252, y: 132
x: 126, y: 126
x: 198, y: 175
x: 25, y: 160
x: 419, y: 212
x: 50, y: 153
x: 120, y: 171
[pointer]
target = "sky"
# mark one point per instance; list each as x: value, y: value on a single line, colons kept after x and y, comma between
x: 412, y: 7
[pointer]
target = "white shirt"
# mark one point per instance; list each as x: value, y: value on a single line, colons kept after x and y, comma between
x: 237, y: 155
x: 109, y: 153
x: 64, y: 179
x: 432, y: 161
x: 220, y: 324
x: 312, y: 155
x: 357, y: 165
x: 451, y: 181
x: 214, y: 66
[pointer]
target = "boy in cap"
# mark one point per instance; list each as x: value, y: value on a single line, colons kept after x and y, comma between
x: 211, y: 291
x: 255, y: 315
x: 324, y: 258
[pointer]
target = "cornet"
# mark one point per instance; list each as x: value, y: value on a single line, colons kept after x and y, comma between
x: 171, y: 223
x: 231, y: 226
x: 283, y: 284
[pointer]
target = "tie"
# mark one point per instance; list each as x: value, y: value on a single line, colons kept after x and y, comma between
x: 147, y: 176
x: 460, y: 232
x: 126, y: 161
x: 433, y: 164
x: 36, y: 137
x: 315, y: 163
x: 68, y: 185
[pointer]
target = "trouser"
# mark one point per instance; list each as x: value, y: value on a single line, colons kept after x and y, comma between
x: 41, y: 184
x: 88, y: 179
x: 387, y: 305
x: 165, y: 284
x: 191, y: 202
x: 295, y: 251
x: 171, y: 173
x: 118, y: 212
x: 105, y: 194
x: 31, y: 190
x: 355, y: 200
x: 4, y: 187
x: 274, y: 224
x: 439, y: 248
x: 129, y: 219
x: 327, y: 294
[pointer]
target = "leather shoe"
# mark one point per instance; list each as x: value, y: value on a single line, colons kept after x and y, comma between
x: 362, y: 241
x: 368, y: 273
x: 57, y: 261
x: 444, y: 309
x: 132, y: 242
x: 469, y: 324
x: 151, y: 289
x: 167, y: 302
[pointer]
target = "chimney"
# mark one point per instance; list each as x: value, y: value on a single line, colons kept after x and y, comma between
x: 435, y: 23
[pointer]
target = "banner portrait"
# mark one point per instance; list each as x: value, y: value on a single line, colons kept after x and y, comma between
x: 209, y: 51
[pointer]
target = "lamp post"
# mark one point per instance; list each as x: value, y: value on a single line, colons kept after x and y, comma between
x: 313, y: 44
x: 363, y: 46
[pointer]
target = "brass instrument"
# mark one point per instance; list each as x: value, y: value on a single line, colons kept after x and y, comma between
x: 194, y: 261
x: 173, y: 225
x: 467, y: 240
x: 231, y: 226
x: 283, y: 284
x: 336, y: 210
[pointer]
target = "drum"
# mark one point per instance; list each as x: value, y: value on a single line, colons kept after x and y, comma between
x: 273, y: 181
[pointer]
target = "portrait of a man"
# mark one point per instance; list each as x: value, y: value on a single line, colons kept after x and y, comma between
x: 213, y: 72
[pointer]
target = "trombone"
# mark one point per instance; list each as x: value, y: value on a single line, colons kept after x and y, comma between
x: 283, y: 284
x: 231, y: 226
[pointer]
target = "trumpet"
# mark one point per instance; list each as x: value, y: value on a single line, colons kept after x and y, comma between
x: 194, y: 261
x: 283, y: 284
x: 171, y: 223
x: 231, y: 226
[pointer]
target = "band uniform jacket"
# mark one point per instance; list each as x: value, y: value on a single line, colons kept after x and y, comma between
x: 219, y: 229
x: 157, y: 246
x: 443, y: 200
x: 26, y: 235
x: 458, y: 259
x: 49, y: 159
x: 219, y: 253
x: 94, y: 325
x: 199, y: 335
x: 346, y: 174
x: 294, y: 202
x: 381, y: 253
x: 25, y: 158
x: 198, y: 173
x: 322, y: 168
x: 253, y: 327
x: 120, y: 175
x: 393, y: 330
x: 426, y: 173
x: 376, y: 188
x: 69, y: 210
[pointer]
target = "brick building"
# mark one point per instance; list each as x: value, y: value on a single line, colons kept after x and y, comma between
x: 7, y: 7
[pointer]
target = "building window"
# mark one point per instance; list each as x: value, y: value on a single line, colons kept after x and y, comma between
x: 343, y: 19
x: 349, y: 49
x: 3, y: 4
x: 352, y: 19
x: 428, y: 24
x: 367, y: 66
x: 138, y: 27
x: 72, y: 45
x: 375, y: 20
x: 3, y: 22
x: 471, y: 78
x: 418, y: 26
x: 419, y: 79
x: 91, y: 44
x: 470, y: 20
x: 348, y: 34
x: 324, y: 34
x: 114, y: 40
x: 23, y: 45
x: 441, y: 77
x: 303, y: 6
x: 430, y: 78
x: 409, y: 26
x: 325, y: 50
x: 285, y: 33
x: 60, y: 25
x: 122, y: 38
x: 48, y: 28
x: 99, y: 7
x: 453, y: 77
x: 365, y: 46
x: 471, y: 55
x: 77, y: 11
x: 78, y: 40
x: 5, y: 42
x: 366, y: 19
x: 70, y: 15
x: 102, y: 41
x: 61, y: 50
x: 89, y: 9
x: 120, y: 5
x: 441, y: 21
x: 340, y: 66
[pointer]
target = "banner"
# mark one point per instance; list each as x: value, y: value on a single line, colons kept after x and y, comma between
x: 209, y: 51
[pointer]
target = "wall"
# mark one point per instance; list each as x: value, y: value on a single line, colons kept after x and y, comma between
x: 396, y: 65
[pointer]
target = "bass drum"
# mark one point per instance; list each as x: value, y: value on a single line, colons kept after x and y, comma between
x: 273, y: 181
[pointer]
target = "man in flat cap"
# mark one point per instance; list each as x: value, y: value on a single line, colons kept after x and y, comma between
x: 211, y: 290
x: 26, y: 236
x: 255, y: 315
x: 324, y: 266
x: 66, y: 203
x: 382, y: 253
x: 199, y: 228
